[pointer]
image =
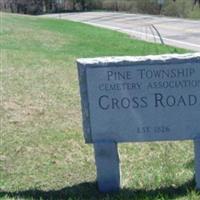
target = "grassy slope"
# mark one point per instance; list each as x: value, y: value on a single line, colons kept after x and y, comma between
x: 42, y: 152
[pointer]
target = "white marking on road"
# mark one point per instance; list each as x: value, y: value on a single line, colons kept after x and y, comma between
x: 144, y: 34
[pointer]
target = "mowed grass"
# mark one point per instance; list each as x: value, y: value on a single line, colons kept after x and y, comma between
x: 42, y: 151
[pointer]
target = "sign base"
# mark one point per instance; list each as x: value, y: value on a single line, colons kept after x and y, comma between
x: 107, y: 164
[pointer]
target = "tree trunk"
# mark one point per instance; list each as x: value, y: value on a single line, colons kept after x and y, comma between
x: 46, y: 5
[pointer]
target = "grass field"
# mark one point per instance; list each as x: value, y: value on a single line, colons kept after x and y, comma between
x: 42, y: 151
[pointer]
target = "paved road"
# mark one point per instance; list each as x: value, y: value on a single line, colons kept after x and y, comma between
x: 172, y: 31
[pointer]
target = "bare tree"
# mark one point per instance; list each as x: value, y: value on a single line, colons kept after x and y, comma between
x: 197, y: 2
x: 85, y: 4
x: 45, y: 5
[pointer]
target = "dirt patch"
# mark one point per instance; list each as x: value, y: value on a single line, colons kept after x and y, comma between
x: 21, y: 112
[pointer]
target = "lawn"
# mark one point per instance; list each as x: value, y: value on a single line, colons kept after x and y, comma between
x: 42, y: 151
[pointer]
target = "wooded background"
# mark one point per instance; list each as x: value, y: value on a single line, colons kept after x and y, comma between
x: 178, y: 8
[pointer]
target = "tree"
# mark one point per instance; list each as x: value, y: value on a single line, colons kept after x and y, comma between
x: 73, y: 5
x: 46, y: 5
x: 84, y: 4
x: 197, y: 2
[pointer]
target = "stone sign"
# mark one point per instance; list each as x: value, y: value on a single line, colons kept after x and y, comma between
x: 137, y: 99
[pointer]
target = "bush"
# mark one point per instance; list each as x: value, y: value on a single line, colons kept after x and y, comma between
x: 148, y: 7
x: 195, y: 13
x: 180, y: 8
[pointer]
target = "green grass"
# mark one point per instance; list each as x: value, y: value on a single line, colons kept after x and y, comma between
x: 42, y: 151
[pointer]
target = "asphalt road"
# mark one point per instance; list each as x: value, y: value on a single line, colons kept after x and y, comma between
x: 173, y: 31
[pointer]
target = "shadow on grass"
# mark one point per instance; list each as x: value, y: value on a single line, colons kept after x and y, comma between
x: 86, y: 191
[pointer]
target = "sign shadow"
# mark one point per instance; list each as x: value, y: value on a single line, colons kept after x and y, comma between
x: 89, y: 190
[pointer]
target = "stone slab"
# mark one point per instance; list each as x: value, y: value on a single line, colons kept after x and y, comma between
x: 136, y: 99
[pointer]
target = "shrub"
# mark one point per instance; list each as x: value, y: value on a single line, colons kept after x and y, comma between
x: 180, y: 8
